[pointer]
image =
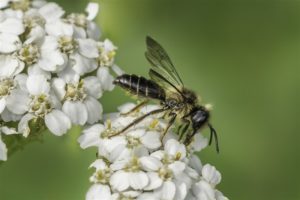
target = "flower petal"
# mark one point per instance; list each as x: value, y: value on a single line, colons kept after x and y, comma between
x: 117, y: 70
x: 51, y: 12
x: 93, y: 86
x: 174, y: 148
x: 90, y: 136
x: 2, y: 104
x: 57, y: 122
x: 138, y: 180
x: 36, y: 70
x: 94, y: 109
x: 167, y: 191
x: 106, y: 79
x: 59, y: 28
x: 3, y: 150
x: 58, y: 86
x: 177, y: 167
x: 23, y: 126
x: 82, y: 64
x: 88, y: 48
x: 151, y: 140
x: 18, y: 102
x: 10, y: 66
x: 119, y: 181
x: 8, y: 116
x: 98, y: 192
x: 92, y: 10
x: 12, y: 26
x: 37, y: 84
x: 211, y: 174
x: 69, y: 75
x: 154, y: 181
x: 150, y: 163
x: 203, y: 190
x: 93, y: 30
x: 76, y: 111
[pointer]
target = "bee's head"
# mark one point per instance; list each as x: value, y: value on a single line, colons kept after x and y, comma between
x: 199, y: 117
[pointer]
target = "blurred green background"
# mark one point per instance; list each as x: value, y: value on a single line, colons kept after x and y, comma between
x: 241, y: 56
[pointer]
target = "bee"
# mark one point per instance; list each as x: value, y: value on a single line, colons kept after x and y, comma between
x: 166, y: 86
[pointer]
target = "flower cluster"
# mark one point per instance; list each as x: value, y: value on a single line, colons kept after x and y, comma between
x: 141, y: 164
x: 53, y: 68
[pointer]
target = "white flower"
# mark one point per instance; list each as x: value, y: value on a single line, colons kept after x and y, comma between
x: 38, y: 102
x: 98, y: 135
x: 8, y: 83
x: 107, y: 53
x: 102, y: 173
x: 80, y: 99
x: 138, y: 141
x: 211, y: 175
x: 135, y: 164
x: 45, y: 56
x: 83, y: 25
x: 131, y: 174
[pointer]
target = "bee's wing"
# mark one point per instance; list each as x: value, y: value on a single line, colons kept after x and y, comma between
x: 163, y: 71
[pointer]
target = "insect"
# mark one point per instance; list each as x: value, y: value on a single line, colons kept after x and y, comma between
x: 166, y: 86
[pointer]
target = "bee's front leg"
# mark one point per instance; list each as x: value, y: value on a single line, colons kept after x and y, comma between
x: 170, y: 123
x: 183, y: 128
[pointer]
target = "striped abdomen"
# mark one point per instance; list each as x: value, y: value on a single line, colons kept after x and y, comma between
x: 140, y: 86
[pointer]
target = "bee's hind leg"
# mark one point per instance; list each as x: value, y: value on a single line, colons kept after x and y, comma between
x: 138, y: 120
x: 136, y: 108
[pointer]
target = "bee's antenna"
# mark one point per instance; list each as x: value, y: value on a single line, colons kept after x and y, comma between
x: 213, y: 134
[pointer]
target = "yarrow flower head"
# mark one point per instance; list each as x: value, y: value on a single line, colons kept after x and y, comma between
x: 53, y: 68
x: 141, y: 164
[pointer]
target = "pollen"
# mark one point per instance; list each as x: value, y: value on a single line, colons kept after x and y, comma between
x: 40, y: 105
x: 29, y: 54
x: 133, y: 165
x: 178, y: 156
x: 75, y: 92
x: 6, y: 85
x: 154, y: 124
x: 165, y: 173
x: 106, y: 58
x: 78, y: 19
x: 103, y: 176
x: 109, y: 130
x: 67, y: 44
x: 132, y: 142
x: 20, y: 5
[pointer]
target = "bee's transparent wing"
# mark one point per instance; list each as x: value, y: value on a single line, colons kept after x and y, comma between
x: 163, y: 71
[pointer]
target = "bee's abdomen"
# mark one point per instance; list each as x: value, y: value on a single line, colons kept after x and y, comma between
x: 140, y: 86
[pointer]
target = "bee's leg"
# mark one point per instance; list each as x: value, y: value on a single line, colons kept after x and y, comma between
x: 137, y: 107
x: 189, y: 138
x: 184, y: 129
x: 171, y: 121
x: 213, y: 134
x: 138, y: 120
